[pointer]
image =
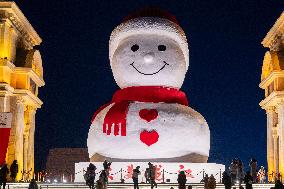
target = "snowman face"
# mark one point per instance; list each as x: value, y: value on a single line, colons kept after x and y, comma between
x: 148, y: 60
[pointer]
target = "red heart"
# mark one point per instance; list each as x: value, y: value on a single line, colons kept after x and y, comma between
x: 149, y: 137
x: 148, y: 114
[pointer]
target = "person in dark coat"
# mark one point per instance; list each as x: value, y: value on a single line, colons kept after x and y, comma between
x: 253, y: 169
x: 4, y: 171
x: 33, y: 184
x: 248, y: 180
x: 211, y: 182
x: 226, y: 180
x: 205, y: 180
x: 181, y: 180
x: 14, y: 170
x: 135, y: 174
x: 90, y: 176
x: 278, y: 185
x: 152, y: 172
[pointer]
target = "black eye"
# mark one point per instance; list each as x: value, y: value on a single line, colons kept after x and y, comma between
x: 162, y: 47
x: 134, y: 47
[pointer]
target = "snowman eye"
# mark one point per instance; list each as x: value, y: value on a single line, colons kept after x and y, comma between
x: 134, y: 47
x: 162, y: 47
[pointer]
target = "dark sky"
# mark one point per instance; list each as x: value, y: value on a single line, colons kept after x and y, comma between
x: 222, y: 83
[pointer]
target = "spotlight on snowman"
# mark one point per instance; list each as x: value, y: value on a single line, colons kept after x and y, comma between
x: 149, y: 118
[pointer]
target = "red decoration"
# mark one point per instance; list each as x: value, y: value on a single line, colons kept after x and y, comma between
x: 116, y: 116
x: 149, y: 137
x: 4, y: 140
x: 148, y: 114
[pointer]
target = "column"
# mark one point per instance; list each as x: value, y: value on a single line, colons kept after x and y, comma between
x: 280, y: 107
x: 16, y: 140
x: 32, y: 112
x: 276, y: 155
x: 270, y: 142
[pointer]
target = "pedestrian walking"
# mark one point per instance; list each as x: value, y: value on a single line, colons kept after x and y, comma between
x: 205, y: 180
x: 211, y: 182
x: 33, y: 184
x: 226, y: 180
x: 135, y: 174
x: 152, y: 172
x: 90, y: 176
x: 14, y: 170
x: 248, y: 180
x: 4, y: 171
x: 253, y: 169
x: 181, y: 180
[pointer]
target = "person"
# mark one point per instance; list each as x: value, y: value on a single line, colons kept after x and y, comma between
x: 100, y: 183
x: 135, y: 174
x: 205, y: 180
x: 106, y: 166
x: 226, y: 180
x: 211, y: 182
x: 14, y: 170
x: 4, y: 171
x: 248, y: 180
x: 147, y: 175
x: 104, y: 179
x: 181, y: 180
x: 240, y: 172
x: 234, y: 170
x: 278, y: 185
x: 90, y: 176
x: 261, y: 175
x: 33, y: 184
x: 253, y: 169
x: 152, y: 174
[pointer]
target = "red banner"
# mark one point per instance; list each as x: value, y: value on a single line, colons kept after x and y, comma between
x: 4, y: 140
x: 5, y: 127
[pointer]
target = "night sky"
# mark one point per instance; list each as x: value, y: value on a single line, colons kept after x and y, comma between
x: 222, y: 83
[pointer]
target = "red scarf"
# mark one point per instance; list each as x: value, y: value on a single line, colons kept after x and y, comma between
x: 116, y: 116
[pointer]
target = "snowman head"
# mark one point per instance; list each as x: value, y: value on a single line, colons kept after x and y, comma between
x: 148, y: 51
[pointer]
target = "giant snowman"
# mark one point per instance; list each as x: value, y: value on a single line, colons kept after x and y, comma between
x: 149, y: 118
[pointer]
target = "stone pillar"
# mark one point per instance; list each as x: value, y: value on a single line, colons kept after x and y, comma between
x: 16, y: 140
x: 30, y: 163
x: 276, y: 155
x: 281, y: 137
x: 270, y: 142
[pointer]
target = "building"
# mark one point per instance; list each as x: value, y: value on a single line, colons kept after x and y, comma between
x: 21, y: 74
x: 61, y: 162
x: 272, y: 81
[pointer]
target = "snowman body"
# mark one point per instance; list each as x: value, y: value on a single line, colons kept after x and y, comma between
x: 149, y: 52
x: 154, y: 131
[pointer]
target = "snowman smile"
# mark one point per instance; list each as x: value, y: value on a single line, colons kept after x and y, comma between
x: 165, y: 64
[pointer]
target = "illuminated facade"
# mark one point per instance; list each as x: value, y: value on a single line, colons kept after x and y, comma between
x: 272, y: 81
x: 21, y: 74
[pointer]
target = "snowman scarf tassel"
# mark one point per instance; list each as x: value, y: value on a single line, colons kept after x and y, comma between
x: 116, y: 116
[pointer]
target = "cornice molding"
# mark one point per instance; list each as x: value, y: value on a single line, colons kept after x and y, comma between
x: 12, y: 12
x: 274, y: 37
x: 274, y: 99
x: 273, y: 75
x: 38, y: 80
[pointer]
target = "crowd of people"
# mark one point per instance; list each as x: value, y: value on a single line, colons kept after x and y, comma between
x: 90, y: 176
x: 4, y: 172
